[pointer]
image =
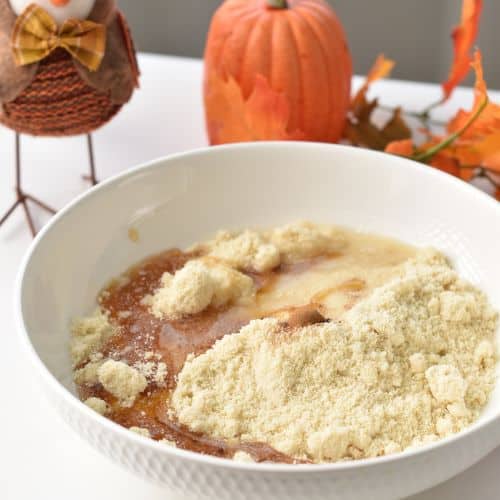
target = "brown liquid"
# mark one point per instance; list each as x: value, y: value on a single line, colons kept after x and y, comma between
x: 141, y: 332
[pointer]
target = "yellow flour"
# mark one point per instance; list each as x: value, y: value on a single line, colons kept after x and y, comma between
x: 412, y: 362
x: 88, y: 336
x: 98, y: 405
x: 122, y: 381
x: 246, y: 250
x: 263, y: 251
x: 304, y: 239
x: 197, y: 285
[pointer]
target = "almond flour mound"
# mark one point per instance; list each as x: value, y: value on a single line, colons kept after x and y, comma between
x: 98, y: 405
x: 411, y: 363
x: 303, y: 240
x: 246, y: 250
x: 122, y: 381
x: 197, y: 285
x: 89, y: 373
x: 88, y: 336
x: 266, y: 250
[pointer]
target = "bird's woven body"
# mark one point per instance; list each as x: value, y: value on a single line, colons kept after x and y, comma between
x: 58, y: 102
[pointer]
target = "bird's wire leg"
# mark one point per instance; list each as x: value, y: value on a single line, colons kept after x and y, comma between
x: 22, y: 198
x: 41, y: 204
x: 9, y: 211
x: 28, y: 217
x: 92, y: 177
x: 19, y: 196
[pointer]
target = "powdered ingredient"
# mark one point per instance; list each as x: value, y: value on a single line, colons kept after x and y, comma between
x: 247, y: 251
x: 121, y: 380
x: 304, y: 239
x: 412, y: 362
x: 88, y: 335
x: 98, y: 405
x: 197, y: 285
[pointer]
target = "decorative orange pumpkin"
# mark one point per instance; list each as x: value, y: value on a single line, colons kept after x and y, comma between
x: 276, y: 70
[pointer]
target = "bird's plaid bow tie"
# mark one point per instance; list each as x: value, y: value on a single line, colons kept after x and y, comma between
x: 36, y: 35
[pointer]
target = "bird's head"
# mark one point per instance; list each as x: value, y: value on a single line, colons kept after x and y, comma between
x: 60, y: 10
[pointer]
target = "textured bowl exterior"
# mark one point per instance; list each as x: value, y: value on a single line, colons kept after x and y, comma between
x: 185, y: 473
x: 190, y: 196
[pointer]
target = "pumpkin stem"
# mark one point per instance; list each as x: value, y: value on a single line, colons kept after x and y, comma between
x: 277, y: 4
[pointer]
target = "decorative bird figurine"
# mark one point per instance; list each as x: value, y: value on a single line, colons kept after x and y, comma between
x: 66, y: 68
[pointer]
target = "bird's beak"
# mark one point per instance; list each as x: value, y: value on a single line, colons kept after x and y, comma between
x: 59, y: 3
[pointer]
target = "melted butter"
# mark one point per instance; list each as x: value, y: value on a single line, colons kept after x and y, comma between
x: 335, y: 283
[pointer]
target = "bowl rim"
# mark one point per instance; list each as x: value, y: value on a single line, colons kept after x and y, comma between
x: 187, y: 455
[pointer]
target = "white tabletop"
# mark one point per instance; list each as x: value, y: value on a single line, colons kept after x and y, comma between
x: 41, y: 458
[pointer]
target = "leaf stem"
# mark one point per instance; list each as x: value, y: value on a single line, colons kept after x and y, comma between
x: 426, y: 112
x: 425, y: 156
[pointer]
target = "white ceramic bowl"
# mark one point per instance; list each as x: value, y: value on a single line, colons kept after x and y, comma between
x: 183, y: 199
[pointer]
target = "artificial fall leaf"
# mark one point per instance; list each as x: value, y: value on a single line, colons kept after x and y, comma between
x: 472, y: 146
x: 449, y: 164
x: 404, y: 147
x: 482, y: 152
x: 360, y: 131
x: 264, y: 115
x: 492, y: 163
x: 489, y: 121
x: 268, y: 113
x: 473, y: 140
x: 381, y: 68
x: 463, y: 37
x: 445, y: 164
x: 479, y: 144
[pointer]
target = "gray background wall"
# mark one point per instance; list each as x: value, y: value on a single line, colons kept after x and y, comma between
x: 413, y: 32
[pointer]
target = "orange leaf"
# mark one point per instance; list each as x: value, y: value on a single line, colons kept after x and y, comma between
x: 490, y: 117
x: 480, y: 144
x: 381, y: 68
x: 464, y: 37
x: 445, y: 164
x: 466, y: 141
x: 359, y: 130
x: 472, y: 145
x: 404, y: 147
x: 231, y: 118
x: 492, y: 163
x: 488, y: 149
x: 223, y: 104
x: 267, y: 113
